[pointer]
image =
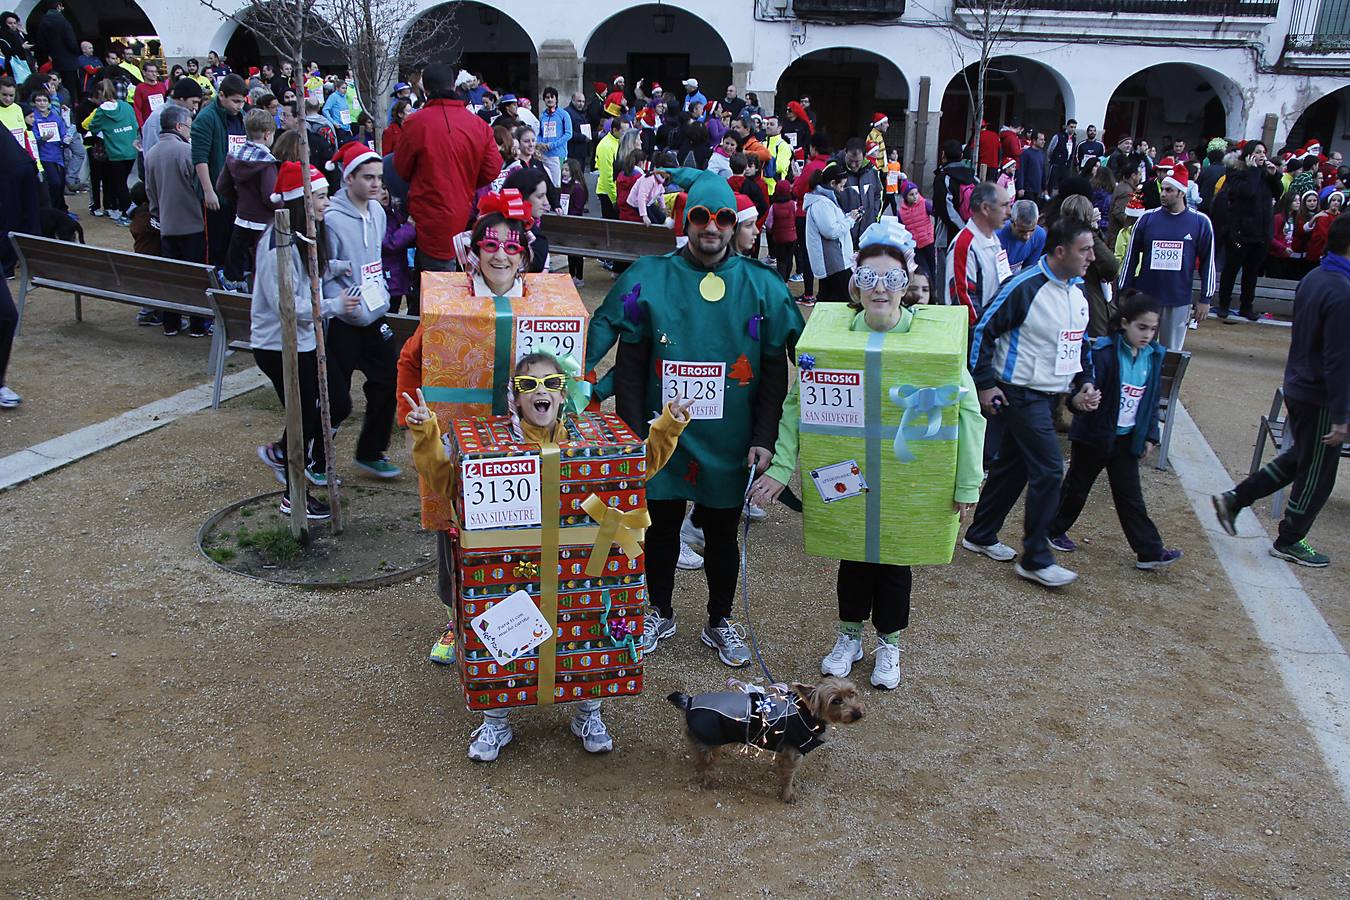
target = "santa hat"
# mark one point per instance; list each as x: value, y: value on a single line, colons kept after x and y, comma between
x: 657, y: 89
x: 879, y: 119
x: 349, y: 156
x: 745, y: 209
x: 509, y: 203
x: 1135, y: 208
x: 618, y: 79
x: 1313, y: 147
x: 1008, y: 163
x: 1177, y: 178
x: 463, y: 78
x: 252, y: 71
x: 290, y: 185
x: 646, y: 117
x: 598, y: 86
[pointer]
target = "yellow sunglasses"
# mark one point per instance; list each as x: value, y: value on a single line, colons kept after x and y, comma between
x: 527, y: 384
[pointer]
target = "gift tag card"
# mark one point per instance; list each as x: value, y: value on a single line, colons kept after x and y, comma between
x: 512, y: 628
x: 839, y: 481
x: 702, y: 382
x: 559, y: 335
x: 832, y: 397
x: 372, y: 281
x: 501, y: 493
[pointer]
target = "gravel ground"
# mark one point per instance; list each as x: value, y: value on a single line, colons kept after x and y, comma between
x: 168, y: 730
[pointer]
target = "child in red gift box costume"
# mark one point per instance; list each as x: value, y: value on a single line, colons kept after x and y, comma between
x: 538, y: 396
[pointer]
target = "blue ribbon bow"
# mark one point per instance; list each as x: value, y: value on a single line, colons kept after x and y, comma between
x: 922, y: 419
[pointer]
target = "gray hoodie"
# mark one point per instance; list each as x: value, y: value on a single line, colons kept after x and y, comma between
x: 266, y: 319
x: 355, y: 243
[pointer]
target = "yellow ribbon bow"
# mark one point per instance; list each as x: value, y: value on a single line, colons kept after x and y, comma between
x: 616, y: 527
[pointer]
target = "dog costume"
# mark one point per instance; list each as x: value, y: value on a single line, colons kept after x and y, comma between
x: 768, y: 721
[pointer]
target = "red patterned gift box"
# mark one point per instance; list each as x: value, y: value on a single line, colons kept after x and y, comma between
x: 593, y: 515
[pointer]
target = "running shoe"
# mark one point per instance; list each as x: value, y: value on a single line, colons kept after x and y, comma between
x: 656, y: 628
x: 149, y: 317
x: 1063, y: 543
x: 689, y: 558
x: 1301, y: 553
x: 591, y: 729
x: 380, y: 468
x: 9, y: 399
x: 999, y: 552
x: 1226, y: 508
x: 1052, y: 576
x: 315, y: 509
x: 886, y: 671
x: 754, y: 513
x: 839, y: 661
x: 692, y: 535
x: 489, y: 738
x: 443, y: 652
x: 272, y: 457
x: 728, y: 639
x: 1168, y: 557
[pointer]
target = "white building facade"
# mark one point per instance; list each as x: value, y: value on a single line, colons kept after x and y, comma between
x: 1190, y: 69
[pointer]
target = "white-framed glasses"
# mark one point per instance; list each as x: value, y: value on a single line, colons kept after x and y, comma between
x: 866, y: 278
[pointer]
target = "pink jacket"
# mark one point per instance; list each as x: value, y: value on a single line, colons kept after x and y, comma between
x: 915, y: 217
x: 646, y: 190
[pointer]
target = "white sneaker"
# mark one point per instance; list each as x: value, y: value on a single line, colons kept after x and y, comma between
x: 692, y: 535
x: 839, y: 661
x: 796, y: 279
x: 489, y: 738
x: 886, y: 672
x: 591, y: 729
x: 999, y: 552
x: 754, y: 513
x: 9, y: 399
x: 689, y: 559
x: 1052, y: 576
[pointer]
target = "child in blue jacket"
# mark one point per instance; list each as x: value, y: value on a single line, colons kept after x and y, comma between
x: 1115, y: 402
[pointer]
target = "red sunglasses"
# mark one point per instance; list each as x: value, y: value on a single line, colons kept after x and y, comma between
x: 701, y: 215
x: 490, y: 245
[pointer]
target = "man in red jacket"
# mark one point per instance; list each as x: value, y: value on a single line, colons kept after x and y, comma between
x: 445, y: 153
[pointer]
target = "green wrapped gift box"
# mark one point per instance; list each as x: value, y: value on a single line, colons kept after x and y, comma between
x: 883, y: 406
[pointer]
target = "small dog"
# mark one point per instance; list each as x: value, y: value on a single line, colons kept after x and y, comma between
x: 56, y: 224
x: 790, y: 724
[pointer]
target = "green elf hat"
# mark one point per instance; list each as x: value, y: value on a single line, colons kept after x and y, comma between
x: 704, y: 189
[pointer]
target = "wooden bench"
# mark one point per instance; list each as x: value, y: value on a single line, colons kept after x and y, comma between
x: 166, y: 285
x: 1266, y: 288
x: 1275, y: 427
x: 1173, y: 370
x: 606, y: 238
x: 233, y: 313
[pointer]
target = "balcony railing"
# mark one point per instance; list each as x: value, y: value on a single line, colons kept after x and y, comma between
x: 1320, y: 26
x: 1211, y: 8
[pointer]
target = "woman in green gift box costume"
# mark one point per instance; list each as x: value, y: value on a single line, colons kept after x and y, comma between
x: 884, y: 262
x: 707, y: 325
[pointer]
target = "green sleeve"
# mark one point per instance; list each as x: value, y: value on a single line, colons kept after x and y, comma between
x: 789, y: 437
x: 608, y: 325
x: 969, y: 443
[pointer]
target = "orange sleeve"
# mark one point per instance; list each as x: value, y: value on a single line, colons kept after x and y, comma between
x: 409, y: 373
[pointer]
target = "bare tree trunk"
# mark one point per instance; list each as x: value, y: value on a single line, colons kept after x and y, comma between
x: 290, y: 377
x: 320, y: 344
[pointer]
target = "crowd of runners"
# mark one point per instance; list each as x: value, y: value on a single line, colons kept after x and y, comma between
x: 1080, y: 260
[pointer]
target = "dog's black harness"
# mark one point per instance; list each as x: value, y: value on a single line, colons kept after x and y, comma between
x: 769, y: 721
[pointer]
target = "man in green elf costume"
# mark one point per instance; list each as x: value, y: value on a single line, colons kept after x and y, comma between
x: 708, y: 325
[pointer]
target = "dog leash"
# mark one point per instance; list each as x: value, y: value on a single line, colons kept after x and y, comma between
x: 745, y: 577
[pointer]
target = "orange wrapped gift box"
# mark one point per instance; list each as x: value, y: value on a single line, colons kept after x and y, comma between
x: 470, y: 345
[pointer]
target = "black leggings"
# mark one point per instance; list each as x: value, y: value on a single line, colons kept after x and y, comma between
x: 721, y: 555
x: 804, y: 261
x: 878, y: 591
x: 1249, y: 258
x: 270, y: 363
x: 116, y: 194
